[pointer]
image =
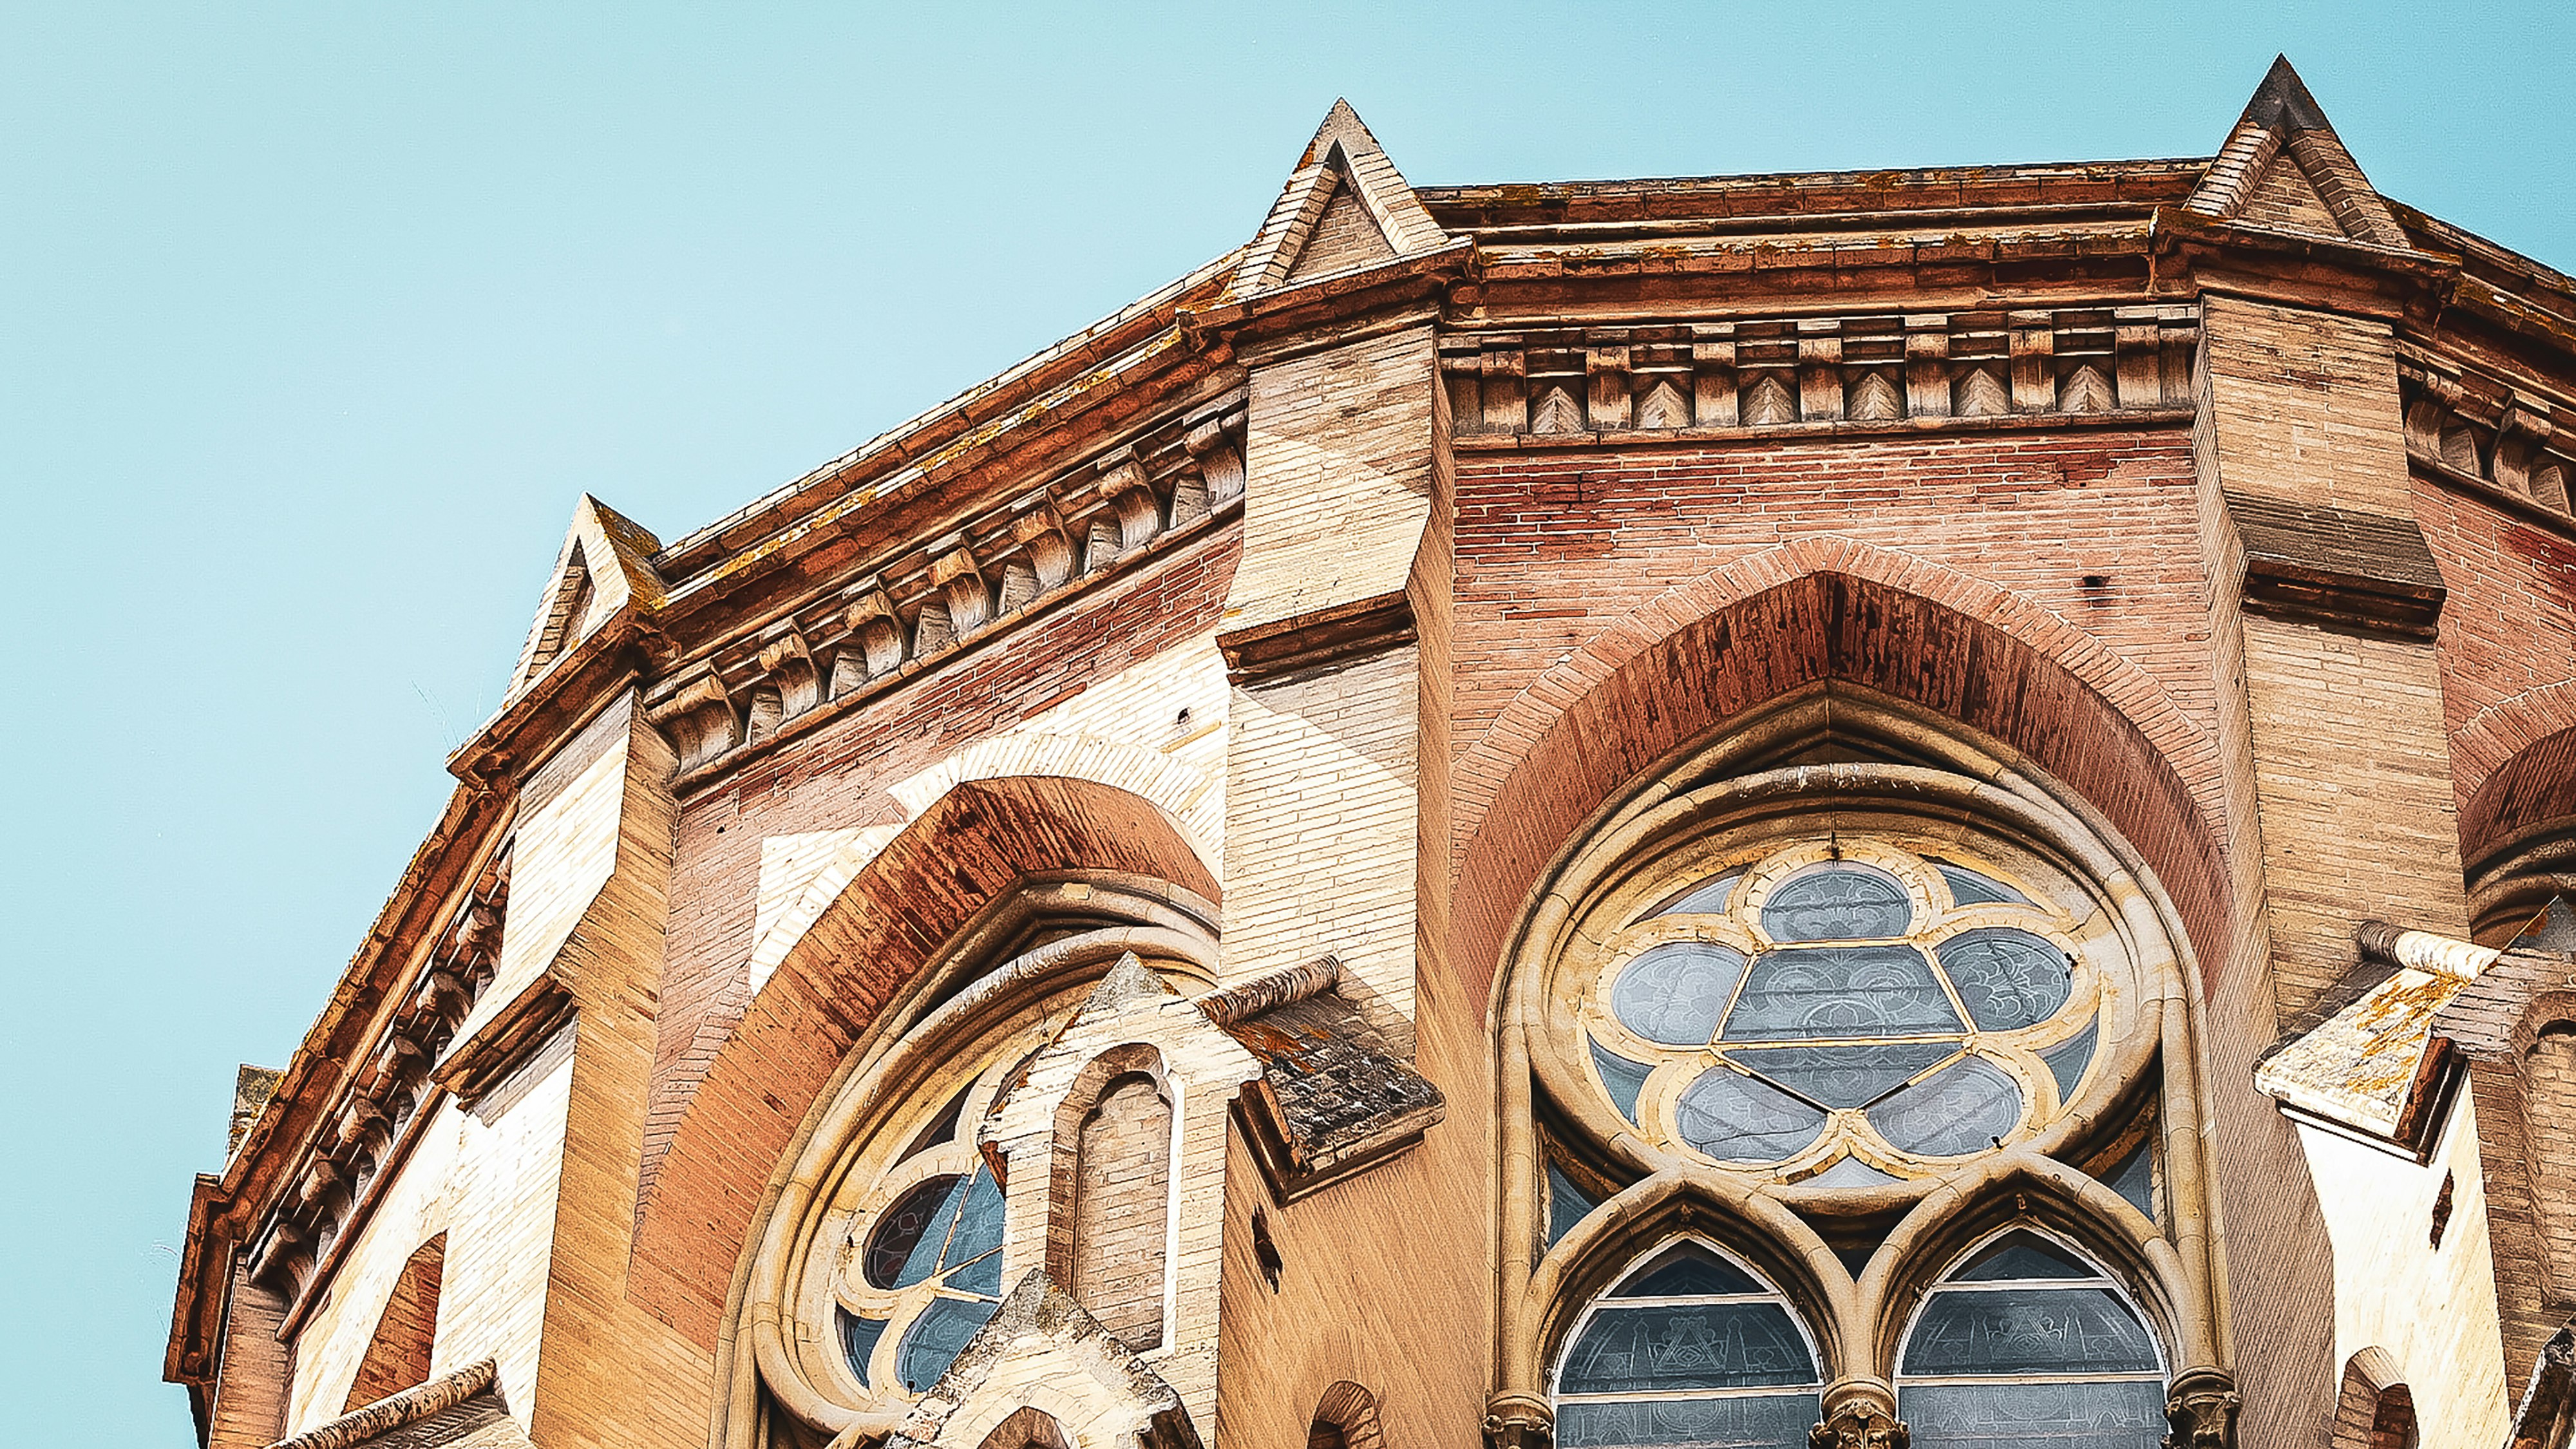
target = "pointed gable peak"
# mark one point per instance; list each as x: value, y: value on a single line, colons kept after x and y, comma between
x: 1097, y: 1389
x: 2282, y: 102
x: 2284, y: 169
x: 1127, y: 982
x: 605, y: 565
x: 1344, y: 207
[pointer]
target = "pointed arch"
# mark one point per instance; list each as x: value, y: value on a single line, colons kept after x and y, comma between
x: 1112, y: 1162
x: 1678, y: 1204
x: 398, y: 1356
x: 1618, y: 711
x: 1027, y: 1428
x: 717, y: 1128
x: 2027, y: 1189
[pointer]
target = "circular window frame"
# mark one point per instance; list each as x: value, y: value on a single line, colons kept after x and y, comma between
x: 1780, y: 822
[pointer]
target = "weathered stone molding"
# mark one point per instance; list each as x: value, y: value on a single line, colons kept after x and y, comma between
x: 2472, y: 427
x: 2338, y: 567
x: 1860, y: 1413
x: 2202, y: 1407
x: 400, y: 1411
x: 926, y: 599
x: 1735, y: 376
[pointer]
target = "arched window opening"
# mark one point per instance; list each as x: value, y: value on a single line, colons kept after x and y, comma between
x: 1345, y: 1418
x: 1690, y: 1348
x: 2373, y: 1410
x: 2026, y: 1342
x: 1121, y: 1205
x: 397, y: 1358
x: 1027, y: 1428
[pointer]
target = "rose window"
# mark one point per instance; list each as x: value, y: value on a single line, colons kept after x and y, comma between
x: 1849, y: 1012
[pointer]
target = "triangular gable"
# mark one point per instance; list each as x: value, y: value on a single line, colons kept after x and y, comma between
x: 1344, y: 207
x: 2284, y: 169
x: 1041, y: 1351
x: 606, y: 563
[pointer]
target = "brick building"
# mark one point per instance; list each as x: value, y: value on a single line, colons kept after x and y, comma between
x: 1682, y: 812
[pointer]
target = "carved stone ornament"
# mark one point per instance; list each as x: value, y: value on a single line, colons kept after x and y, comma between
x: 1860, y: 1414
x: 2202, y: 1411
x: 1519, y: 1421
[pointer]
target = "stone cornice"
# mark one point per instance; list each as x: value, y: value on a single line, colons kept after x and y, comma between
x: 380, y: 997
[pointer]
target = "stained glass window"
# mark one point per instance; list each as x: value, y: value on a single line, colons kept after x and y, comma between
x: 2025, y: 1342
x: 926, y: 1264
x: 1567, y: 1204
x: 1875, y: 997
x: 1689, y: 1349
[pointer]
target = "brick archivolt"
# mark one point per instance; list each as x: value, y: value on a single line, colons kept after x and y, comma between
x: 1725, y: 376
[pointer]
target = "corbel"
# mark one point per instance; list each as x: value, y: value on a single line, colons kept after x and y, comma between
x: 1044, y: 559
x: 2034, y: 372
x: 1220, y: 461
x: 1606, y: 372
x: 1129, y: 520
x: 788, y: 664
x: 1820, y: 368
x: 2178, y: 335
x: 1713, y: 376
x: 1506, y: 388
x: 2137, y: 357
x: 1519, y: 1421
x: 1927, y: 365
x: 2522, y: 431
x: 1462, y: 375
x: 1860, y: 1413
x: 697, y: 714
x: 874, y: 646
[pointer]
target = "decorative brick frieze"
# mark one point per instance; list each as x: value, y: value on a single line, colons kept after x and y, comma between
x: 1819, y: 371
x: 2466, y: 426
x: 387, y: 1102
x: 925, y: 600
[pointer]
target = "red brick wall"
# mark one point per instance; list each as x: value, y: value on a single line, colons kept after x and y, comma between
x: 1573, y: 565
x: 2508, y: 648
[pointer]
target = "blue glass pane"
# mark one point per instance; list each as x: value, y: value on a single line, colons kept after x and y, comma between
x: 1622, y: 1078
x: 1841, y: 902
x: 1674, y: 993
x: 2068, y: 1059
x: 2134, y: 1179
x: 935, y: 1338
x: 858, y: 1340
x: 1764, y: 1421
x: 1976, y: 1331
x: 1851, y: 1172
x: 2022, y: 1255
x: 1686, y: 1273
x: 2008, y: 1415
x: 924, y: 1258
x: 984, y: 1276
x: 1841, y: 991
x: 1844, y: 1076
x: 2008, y: 979
x: 1972, y: 888
x: 1687, y: 1346
x: 1733, y: 1118
x: 979, y: 1227
x: 1708, y: 898
x: 1566, y: 1204
x: 920, y: 1215
x: 1955, y: 1111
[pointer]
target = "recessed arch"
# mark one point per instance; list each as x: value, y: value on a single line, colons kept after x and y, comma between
x: 1027, y: 1428
x: 2374, y: 1408
x: 1112, y: 1162
x: 1697, y: 659
x: 398, y: 1356
x: 1345, y: 1417
x: 715, y: 1132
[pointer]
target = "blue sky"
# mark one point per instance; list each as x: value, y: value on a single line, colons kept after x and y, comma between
x: 315, y: 321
